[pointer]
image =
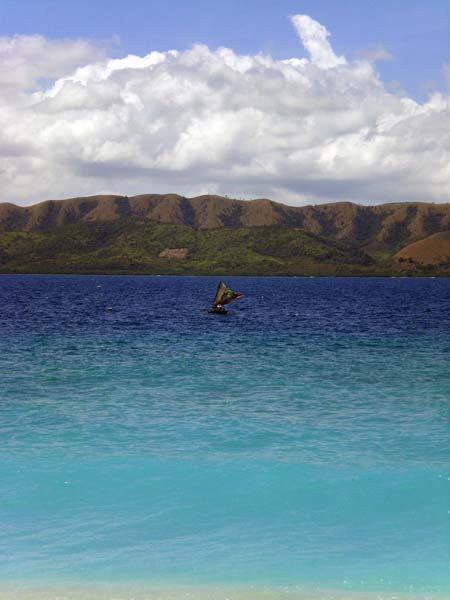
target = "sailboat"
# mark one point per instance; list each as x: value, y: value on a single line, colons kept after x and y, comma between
x: 224, y: 295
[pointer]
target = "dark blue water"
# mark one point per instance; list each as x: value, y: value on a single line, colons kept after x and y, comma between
x: 301, y: 440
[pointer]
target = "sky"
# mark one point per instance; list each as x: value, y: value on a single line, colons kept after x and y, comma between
x: 301, y: 101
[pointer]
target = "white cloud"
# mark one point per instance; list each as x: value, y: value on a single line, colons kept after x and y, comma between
x: 298, y: 130
x: 375, y: 53
x: 26, y: 59
x: 314, y: 38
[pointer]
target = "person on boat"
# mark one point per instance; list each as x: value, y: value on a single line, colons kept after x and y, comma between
x: 224, y: 295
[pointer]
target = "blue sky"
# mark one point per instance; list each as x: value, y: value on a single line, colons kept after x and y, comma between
x: 415, y: 32
x: 301, y: 101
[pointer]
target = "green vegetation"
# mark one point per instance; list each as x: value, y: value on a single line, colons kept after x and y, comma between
x: 133, y: 246
x: 172, y: 234
x: 397, y: 233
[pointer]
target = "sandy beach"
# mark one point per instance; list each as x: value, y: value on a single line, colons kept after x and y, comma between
x: 180, y: 592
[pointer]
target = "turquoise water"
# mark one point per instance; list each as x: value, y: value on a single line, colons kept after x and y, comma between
x: 300, y: 442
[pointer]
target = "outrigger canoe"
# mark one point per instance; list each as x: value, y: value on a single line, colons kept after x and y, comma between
x: 224, y: 295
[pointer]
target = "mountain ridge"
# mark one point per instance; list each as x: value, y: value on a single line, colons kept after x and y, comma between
x: 369, y: 237
x: 336, y: 219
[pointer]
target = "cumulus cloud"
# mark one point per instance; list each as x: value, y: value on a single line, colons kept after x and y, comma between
x: 314, y: 38
x: 26, y: 59
x: 298, y: 130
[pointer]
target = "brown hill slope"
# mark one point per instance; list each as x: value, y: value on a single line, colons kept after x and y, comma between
x: 433, y: 250
x: 383, y: 228
x: 203, y: 212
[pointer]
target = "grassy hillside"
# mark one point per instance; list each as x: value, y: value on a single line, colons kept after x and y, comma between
x: 385, y: 228
x: 431, y: 251
x: 169, y: 233
x: 134, y: 245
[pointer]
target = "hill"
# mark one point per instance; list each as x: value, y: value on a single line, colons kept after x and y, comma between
x: 434, y: 250
x: 143, y: 246
x: 211, y: 234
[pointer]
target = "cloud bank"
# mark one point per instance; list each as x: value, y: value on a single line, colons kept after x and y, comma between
x: 300, y: 130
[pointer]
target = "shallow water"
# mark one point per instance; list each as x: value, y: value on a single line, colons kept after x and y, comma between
x: 302, y: 441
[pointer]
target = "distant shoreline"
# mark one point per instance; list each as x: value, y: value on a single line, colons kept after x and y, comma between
x: 174, y: 235
x: 225, y: 274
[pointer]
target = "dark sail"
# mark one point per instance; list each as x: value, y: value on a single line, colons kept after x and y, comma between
x: 219, y: 293
x: 224, y: 295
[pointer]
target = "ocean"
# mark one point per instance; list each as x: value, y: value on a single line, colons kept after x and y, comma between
x: 298, y: 447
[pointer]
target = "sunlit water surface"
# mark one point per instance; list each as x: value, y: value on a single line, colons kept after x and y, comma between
x: 297, y: 447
